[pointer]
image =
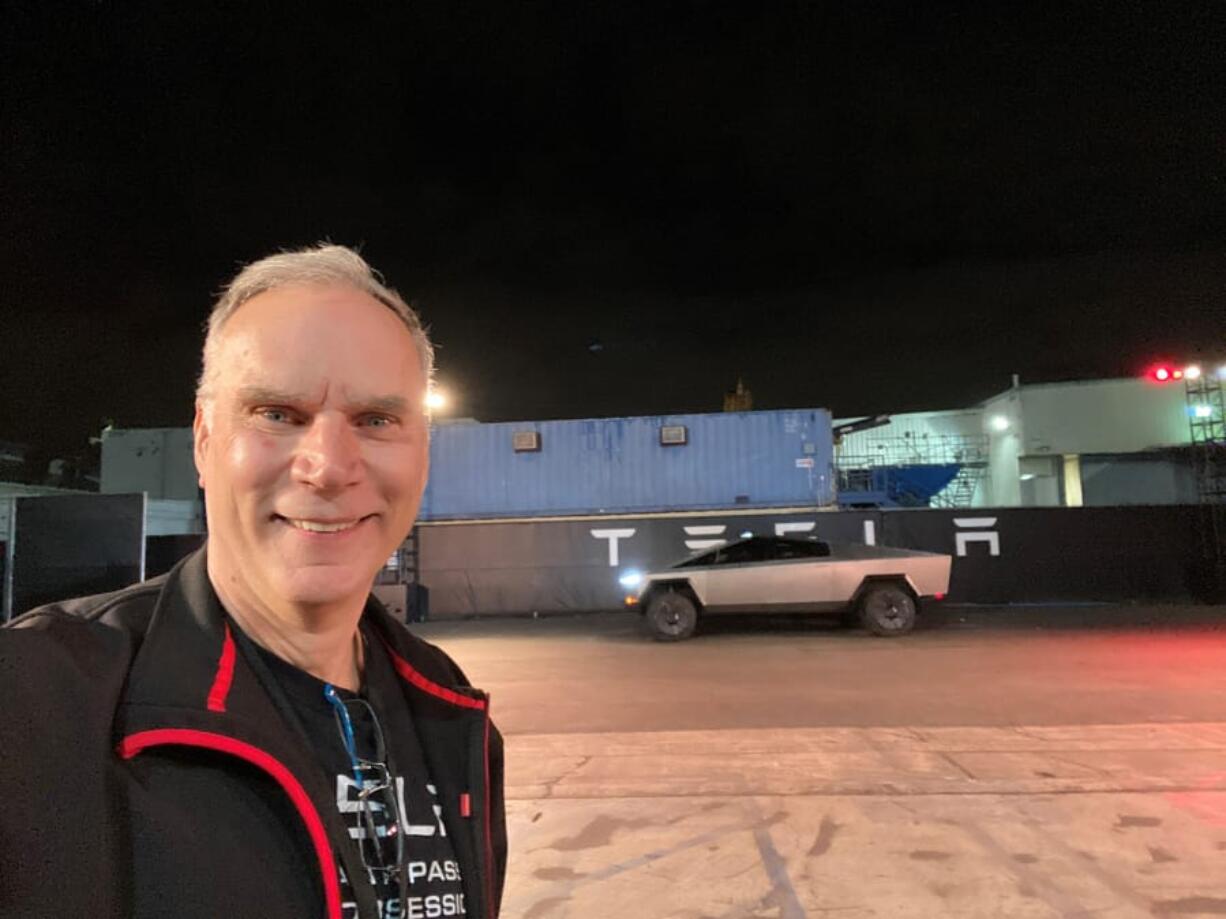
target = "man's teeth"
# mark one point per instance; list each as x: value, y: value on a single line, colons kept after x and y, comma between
x: 313, y: 526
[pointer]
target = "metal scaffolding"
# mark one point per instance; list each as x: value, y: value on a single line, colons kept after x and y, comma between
x: 1208, y: 435
x: 969, y: 452
x: 1207, y: 427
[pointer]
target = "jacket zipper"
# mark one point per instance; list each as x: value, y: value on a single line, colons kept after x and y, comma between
x: 136, y: 743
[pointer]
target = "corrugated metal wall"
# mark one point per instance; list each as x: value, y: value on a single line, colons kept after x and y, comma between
x: 617, y: 465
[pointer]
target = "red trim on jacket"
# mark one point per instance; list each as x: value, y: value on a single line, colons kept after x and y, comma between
x: 225, y: 673
x: 407, y: 671
x: 489, y: 834
x: 143, y: 740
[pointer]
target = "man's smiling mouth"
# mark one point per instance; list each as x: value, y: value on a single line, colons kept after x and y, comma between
x: 322, y: 526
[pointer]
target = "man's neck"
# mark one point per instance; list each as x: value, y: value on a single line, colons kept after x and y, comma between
x: 323, y: 642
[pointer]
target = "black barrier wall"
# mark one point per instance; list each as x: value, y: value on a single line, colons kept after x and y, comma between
x: 163, y: 552
x: 74, y: 545
x: 1033, y: 555
x: 68, y: 547
x: 1008, y: 555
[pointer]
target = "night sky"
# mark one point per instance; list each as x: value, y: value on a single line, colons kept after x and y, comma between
x: 615, y: 208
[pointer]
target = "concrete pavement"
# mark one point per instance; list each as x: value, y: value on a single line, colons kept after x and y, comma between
x: 1033, y: 763
x: 1120, y: 821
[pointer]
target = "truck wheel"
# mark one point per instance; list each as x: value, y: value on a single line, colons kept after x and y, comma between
x: 887, y: 610
x: 671, y: 616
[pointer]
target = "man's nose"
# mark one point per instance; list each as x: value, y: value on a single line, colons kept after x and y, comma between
x: 329, y: 455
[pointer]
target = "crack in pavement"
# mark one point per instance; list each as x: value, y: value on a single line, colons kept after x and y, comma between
x: 566, y: 774
x: 957, y: 765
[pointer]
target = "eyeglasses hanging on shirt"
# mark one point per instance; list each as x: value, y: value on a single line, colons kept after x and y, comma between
x: 381, y: 830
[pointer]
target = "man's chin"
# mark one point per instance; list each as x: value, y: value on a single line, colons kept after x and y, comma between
x: 324, y: 586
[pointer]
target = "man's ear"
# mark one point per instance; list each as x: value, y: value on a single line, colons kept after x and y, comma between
x: 200, y: 439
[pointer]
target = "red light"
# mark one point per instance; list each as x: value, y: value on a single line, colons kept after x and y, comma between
x: 1162, y: 374
x: 938, y: 596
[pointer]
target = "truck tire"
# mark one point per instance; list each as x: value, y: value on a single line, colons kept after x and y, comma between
x: 887, y: 610
x: 671, y: 616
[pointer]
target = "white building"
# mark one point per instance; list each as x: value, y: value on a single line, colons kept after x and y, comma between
x: 1092, y: 442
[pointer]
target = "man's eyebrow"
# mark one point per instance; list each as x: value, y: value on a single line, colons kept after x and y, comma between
x: 262, y: 395
x: 393, y: 405
x: 255, y: 395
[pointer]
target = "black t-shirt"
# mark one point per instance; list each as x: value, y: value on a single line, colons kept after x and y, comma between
x: 431, y: 873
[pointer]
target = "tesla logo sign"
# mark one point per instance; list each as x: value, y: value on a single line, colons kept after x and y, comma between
x: 709, y: 536
x: 978, y: 530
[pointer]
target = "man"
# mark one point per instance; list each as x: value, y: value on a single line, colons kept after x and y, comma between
x: 252, y: 734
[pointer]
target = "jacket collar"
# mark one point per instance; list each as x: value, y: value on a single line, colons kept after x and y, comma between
x: 187, y: 650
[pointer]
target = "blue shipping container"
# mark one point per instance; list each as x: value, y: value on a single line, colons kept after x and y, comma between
x: 619, y: 465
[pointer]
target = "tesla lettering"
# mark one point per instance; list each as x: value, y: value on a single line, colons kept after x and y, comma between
x: 991, y: 537
x: 795, y: 526
x: 613, y: 536
x: 697, y: 544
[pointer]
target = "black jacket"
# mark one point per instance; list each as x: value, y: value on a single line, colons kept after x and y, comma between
x: 145, y: 770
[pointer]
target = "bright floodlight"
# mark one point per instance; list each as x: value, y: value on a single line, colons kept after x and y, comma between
x: 1191, y: 372
x: 435, y: 400
x: 1204, y: 411
x: 1221, y: 372
x: 1000, y: 423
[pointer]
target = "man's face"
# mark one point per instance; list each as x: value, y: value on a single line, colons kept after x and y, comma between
x: 313, y: 454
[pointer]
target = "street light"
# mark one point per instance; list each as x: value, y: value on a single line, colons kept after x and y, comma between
x: 435, y: 400
x: 1000, y: 423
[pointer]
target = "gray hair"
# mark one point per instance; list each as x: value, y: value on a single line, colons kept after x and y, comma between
x: 321, y: 264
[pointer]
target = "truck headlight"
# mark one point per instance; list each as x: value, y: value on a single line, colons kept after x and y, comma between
x: 631, y: 579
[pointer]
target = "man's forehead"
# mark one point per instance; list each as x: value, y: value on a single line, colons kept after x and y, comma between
x: 271, y: 345
x: 285, y: 311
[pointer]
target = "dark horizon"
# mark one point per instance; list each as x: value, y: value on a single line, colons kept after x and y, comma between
x: 611, y: 212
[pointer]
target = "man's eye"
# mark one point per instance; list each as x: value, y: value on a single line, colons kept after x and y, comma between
x: 275, y: 415
x: 378, y: 421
